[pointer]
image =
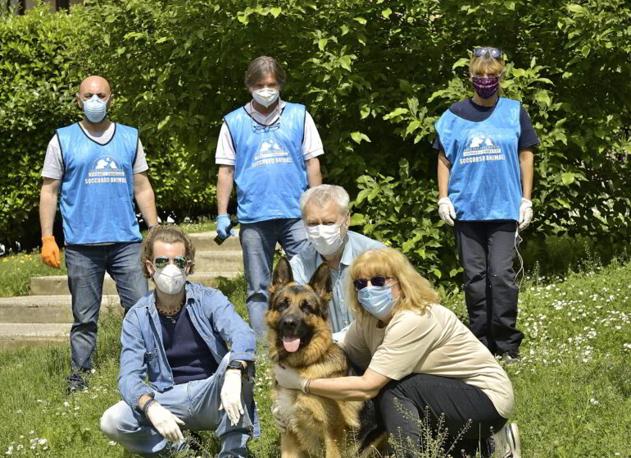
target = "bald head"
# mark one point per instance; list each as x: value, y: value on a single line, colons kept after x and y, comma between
x: 95, y: 85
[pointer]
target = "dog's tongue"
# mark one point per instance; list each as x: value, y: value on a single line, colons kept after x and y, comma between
x: 291, y: 344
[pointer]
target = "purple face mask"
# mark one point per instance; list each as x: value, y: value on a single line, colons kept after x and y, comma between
x: 486, y: 86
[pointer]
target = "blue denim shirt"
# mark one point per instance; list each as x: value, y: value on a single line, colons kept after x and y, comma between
x: 144, y: 367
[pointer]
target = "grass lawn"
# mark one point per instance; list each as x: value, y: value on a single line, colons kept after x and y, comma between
x: 573, y: 384
x: 16, y: 270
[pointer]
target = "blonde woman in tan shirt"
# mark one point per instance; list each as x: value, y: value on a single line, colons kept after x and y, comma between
x: 419, y: 362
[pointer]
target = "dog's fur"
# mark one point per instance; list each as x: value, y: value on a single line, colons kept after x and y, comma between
x: 313, y: 422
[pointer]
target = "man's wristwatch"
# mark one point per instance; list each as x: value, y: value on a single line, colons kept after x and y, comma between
x: 237, y: 364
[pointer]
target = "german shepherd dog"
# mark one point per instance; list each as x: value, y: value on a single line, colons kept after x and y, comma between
x: 300, y: 338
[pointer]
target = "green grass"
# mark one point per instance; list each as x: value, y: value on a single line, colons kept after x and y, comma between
x: 16, y: 270
x: 572, y: 386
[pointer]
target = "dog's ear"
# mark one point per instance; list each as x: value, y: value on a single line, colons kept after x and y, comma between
x: 282, y: 275
x: 321, y: 281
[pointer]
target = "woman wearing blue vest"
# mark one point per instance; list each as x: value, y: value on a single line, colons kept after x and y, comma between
x: 270, y: 149
x: 485, y: 174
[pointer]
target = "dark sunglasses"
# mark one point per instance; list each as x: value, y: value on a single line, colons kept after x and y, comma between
x: 495, y: 53
x: 377, y: 280
x: 162, y: 261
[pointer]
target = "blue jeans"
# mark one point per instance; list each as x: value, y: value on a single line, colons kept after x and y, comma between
x: 258, y: 241
x: 197, y: 404
x: 87, y: 265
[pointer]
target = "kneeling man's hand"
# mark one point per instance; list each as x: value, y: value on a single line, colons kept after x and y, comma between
x: 165, y: 422
x: 231, y: 396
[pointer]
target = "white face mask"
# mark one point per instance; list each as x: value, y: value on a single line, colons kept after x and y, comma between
x: 265, y: 96
x: 326, y: 238
x: 95, y: 109
x: 170, y: 280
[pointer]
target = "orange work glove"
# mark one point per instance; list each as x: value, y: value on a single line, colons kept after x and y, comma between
x: 50, y: 252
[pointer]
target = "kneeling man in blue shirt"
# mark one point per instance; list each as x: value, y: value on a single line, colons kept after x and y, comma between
x: 187, y: 359
x: 326, y: 215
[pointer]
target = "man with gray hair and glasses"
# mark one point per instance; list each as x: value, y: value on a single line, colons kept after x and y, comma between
x: 326, y: 215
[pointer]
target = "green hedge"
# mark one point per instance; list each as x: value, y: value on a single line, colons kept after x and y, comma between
x: 375, y: 76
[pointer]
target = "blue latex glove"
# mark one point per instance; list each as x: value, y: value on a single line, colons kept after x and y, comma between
x: 223, y: 223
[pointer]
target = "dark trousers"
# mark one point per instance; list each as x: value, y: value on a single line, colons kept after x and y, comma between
x: 468, y: 415
x: 486, y: 250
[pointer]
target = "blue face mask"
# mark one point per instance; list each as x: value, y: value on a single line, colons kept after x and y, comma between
x: 376, y: 300
x: 95, y: 109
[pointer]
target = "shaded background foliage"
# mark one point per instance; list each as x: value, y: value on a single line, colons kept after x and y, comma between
x: 375, y: 75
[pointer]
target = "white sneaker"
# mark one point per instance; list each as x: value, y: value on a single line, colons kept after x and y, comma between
x: 506, y: 441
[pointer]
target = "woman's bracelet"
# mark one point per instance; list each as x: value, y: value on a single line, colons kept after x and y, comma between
x: 306, y: 386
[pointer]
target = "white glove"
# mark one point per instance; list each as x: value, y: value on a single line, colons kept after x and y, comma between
x: 231, y: 396
x: 289, y: 378
x: 339, y: 335
x: 525, y: 213
x: 165, y: 422
x: 279, y: 418
x: 446, y: 210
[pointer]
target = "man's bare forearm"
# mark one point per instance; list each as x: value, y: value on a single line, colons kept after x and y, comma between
x: 225, y: 182
x: 48, y: 197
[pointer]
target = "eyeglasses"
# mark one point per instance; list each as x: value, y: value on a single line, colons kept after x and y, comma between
x: 162, y: 261
x: 377, y: 280
x: 495, y: 53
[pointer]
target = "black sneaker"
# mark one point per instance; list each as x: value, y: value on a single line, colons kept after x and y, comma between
x: 76, y: 383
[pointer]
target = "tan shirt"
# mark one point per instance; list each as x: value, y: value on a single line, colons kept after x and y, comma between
x: 435, y: 343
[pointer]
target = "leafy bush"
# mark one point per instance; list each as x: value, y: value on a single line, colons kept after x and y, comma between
x: 375, y: 75
x: 402, y: 213
x: 39, y: 69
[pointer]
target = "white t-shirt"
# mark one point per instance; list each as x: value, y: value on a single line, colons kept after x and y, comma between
x: 311, y: 143
x: 54, y: 163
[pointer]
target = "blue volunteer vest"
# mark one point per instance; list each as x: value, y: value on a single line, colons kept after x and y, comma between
x: 97, y: 188
x: 484, y: 180
x: 270, y: 171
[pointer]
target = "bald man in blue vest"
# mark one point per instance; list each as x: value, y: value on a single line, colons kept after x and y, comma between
x: 96, y: 169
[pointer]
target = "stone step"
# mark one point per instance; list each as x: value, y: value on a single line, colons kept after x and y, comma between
x: 219, y: 261
x: 58, y: 284
x: 42, y: 332
x: 205, y: 241
x: 47, y: 309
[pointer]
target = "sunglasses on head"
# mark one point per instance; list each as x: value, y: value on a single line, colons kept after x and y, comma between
x: 377, y: 280
x: 162, y: 261
x: 495, y: 53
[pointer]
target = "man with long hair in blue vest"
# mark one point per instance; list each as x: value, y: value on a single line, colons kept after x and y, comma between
x: 97, y: 168
x: 269, y: 148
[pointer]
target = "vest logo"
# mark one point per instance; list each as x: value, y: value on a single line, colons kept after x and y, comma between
x: 481, y: 148
x: 269, y: 153
x: 106, y: 163
x: 105, y: 170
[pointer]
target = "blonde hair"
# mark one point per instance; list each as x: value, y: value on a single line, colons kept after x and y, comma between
x: 416, y: 292
x: 486, y: 65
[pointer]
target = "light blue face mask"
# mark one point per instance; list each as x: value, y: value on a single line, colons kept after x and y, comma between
x: 95, y: 109
x: 376, y: 300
